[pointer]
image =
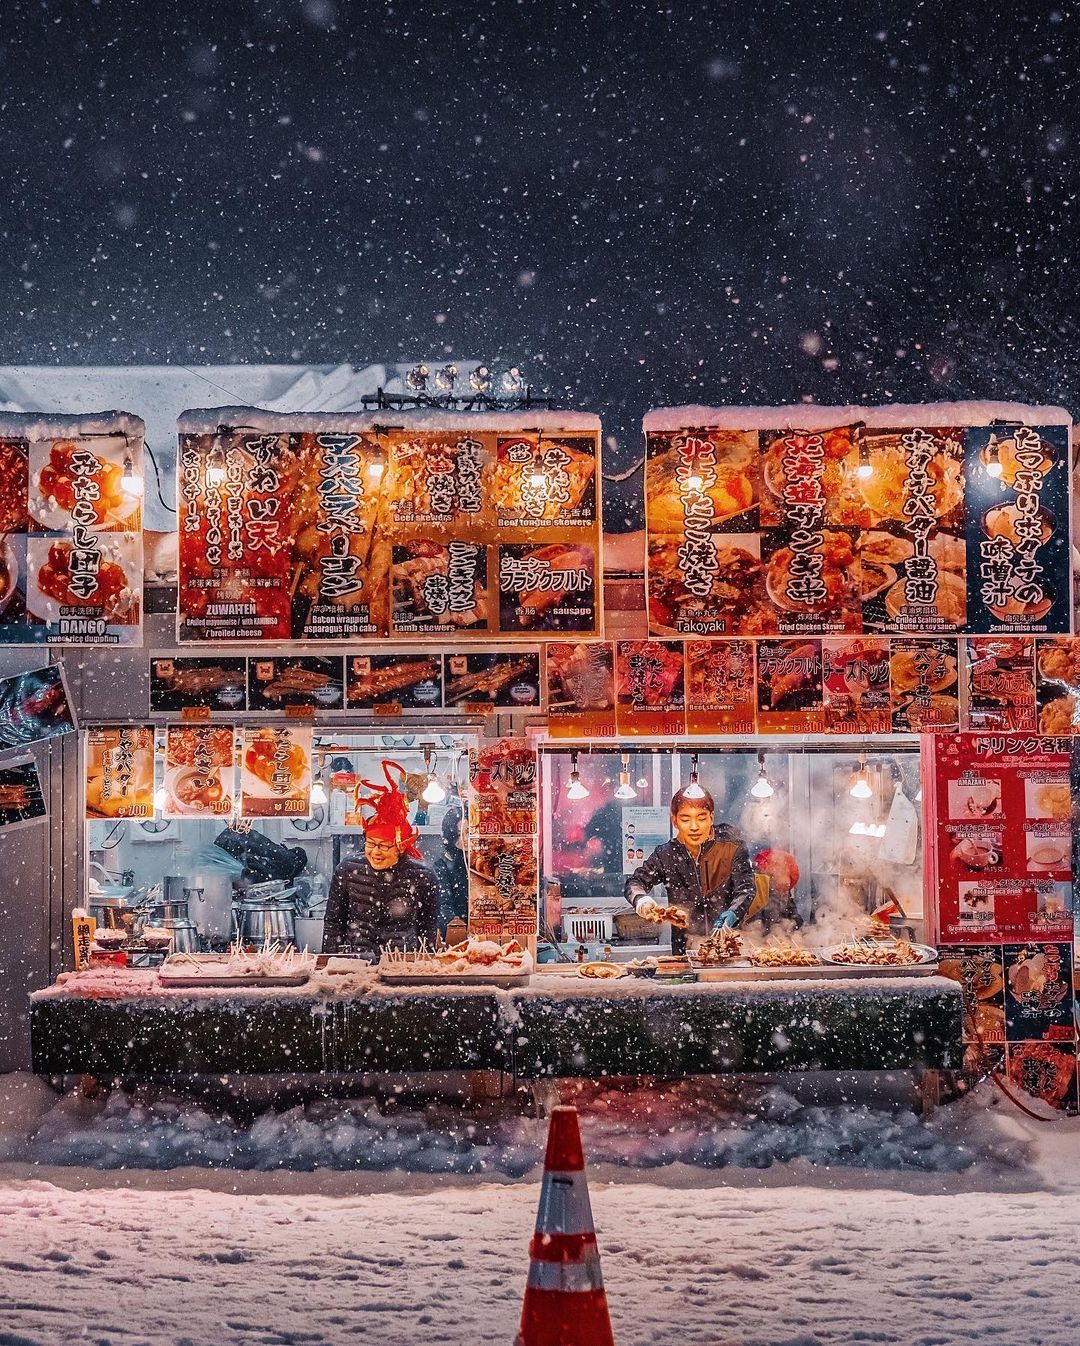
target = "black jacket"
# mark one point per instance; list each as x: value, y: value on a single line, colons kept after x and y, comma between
x: 674, y: 867
x: 452, y: 876
x: 368, y: 908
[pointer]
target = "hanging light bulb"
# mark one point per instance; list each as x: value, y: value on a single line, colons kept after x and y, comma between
x: 693, y: 790
x: 215, y: 468
x: 159, y: 799
x: 860, y: 786
x: 865, y: 470
x: 993, y: 458
x: 625, y: 790
x: 433, y: 791
x: 538, y: 480
x: 318, y: 791
x: 762, y: 788
x: 576, y: 788
x: 130, y: 481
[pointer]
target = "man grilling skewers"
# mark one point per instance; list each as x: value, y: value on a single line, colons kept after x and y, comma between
x: 705, y: 870
x: 386, y: 898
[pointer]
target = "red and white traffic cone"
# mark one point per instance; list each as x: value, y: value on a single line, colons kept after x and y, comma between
x: 565, y: 1303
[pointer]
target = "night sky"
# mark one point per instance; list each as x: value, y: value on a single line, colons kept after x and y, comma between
x: 640, y: 206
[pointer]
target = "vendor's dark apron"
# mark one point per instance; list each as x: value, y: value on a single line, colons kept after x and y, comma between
x: 714, y: 869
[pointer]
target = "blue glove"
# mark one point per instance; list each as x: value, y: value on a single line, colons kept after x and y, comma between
x: 727, y: 920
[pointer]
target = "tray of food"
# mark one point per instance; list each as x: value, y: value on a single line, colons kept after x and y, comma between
x: 265, y: 967
x: 602, y: 971
x: 473, y: 962
x: 865, y: 952
x: 858, y: 957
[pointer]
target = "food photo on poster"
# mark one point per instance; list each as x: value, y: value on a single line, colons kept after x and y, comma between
x: 22, y: 800
x: 35, y: 705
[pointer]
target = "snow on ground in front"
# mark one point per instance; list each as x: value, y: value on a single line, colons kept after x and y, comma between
x: 797, y: 1255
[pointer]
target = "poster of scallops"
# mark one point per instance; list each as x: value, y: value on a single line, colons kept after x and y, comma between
x: 941, y: 519
x: 71, y: 565
x: 333, y: 527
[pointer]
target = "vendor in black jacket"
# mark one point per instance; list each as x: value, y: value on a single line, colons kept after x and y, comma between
x: 386, y: 898
x: 705, y: 870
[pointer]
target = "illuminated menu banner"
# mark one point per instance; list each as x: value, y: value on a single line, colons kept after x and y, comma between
x: 341, y: 528
x: 71, y: 566
x: 857, y: 529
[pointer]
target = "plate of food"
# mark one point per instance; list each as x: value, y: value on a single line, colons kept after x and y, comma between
x: 602, y: 971
x: 949, y: 605
x: 861, y: 951
x: 472, y: 962
x: 55, y: 482
x: 56, y: 579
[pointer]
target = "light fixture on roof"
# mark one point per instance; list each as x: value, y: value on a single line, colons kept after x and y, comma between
x: 625, y: 790
x: 318, y: 790
x: 416, y: 378
x: 576, y: 788
x: 445, y: 378
x: 860, y: 786
x: 433, y: 792
x: 511, y: 381
x: 480, y: 379
x: 762, y: 788
x: 130, y: 481
x: 694, y: 790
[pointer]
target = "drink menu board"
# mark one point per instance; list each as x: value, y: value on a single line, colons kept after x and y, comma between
x: 1003, y: 845
x: 71, y: 565
x: 341, y: 528
x: 861, y: 528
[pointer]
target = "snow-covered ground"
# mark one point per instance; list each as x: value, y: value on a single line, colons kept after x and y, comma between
x: 841, y: 1239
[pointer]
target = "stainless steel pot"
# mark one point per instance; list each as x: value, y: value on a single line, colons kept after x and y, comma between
x: 266, y: 919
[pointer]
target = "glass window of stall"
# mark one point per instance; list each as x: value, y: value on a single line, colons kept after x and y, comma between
x: 836, y: 830
x: 206, y: 878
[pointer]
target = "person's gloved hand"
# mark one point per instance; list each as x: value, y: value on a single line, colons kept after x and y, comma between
x: 727, y: 920
x: 647, y: 909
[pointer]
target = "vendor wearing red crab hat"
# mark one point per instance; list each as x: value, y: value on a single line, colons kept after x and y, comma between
x: 387, y: 898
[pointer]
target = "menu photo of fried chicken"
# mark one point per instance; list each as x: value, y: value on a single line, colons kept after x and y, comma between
x: 810, y: 581
x: 547, y: 587
x: 801, y: 466
x: 440, y: 588
x: 1057, y: 685
x: 539, y: 481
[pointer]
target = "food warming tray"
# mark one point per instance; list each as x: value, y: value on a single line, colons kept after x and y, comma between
x: 180, y: 974
x: 506, y: 981
x: 740, y: 970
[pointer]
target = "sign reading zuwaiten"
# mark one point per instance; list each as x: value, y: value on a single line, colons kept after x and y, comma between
x: 892, y: 525
x: 340, y: 528
x: 71, y: 566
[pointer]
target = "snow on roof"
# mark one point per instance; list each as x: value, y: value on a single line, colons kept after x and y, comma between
x: 203, y: 422
x: 894, y: 416
x: 35, y: 426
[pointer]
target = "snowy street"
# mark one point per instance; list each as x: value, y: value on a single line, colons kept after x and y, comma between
x: 797, y: 1253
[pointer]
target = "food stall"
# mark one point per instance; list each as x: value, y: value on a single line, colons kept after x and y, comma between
x: 833, y: 598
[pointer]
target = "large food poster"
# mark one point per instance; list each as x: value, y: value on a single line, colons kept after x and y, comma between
x: 341, y: 528
x: 71, y: 565
x: 861, y: 528
x: 199, y: 771
x: 34, y: 706
x: 503, y: 887
x: 1003, y: 865
x: 650, y: 687
x: 22, y: 800
x: 790, y: 696
x: 580, y: 680
x: 502, y: 788
x: 1001, y: 684
x: 120, y: 771
x: 275, y: 772
x: 720, y: 687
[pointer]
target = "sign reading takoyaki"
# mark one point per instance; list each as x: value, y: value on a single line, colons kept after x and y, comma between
x: 322, y: 527
x: 71, y: 526
x: 855, y: 529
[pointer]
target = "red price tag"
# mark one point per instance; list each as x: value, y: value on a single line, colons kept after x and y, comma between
x: 191, y: 714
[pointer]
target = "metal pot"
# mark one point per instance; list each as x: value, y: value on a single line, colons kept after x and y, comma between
x: 210, y: 905
x: 266, y: 919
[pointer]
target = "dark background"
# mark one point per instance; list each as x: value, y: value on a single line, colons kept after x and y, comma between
x: 718, y: 203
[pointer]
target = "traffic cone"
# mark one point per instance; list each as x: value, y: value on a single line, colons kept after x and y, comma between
x: 565, y: 1303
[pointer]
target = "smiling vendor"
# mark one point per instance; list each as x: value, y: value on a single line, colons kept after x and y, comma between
x: 705, y: 870
x: 387, y: 898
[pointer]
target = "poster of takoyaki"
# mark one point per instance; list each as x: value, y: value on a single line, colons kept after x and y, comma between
x: 856, y: 529
x: 502, y: 788
x: 855, y: 680
x: 275, y: 772
x: 503, y: 885
x: 71, y: 566
x: 120, y: 771
x: 720, y: 687
x: 580, y: 681
x: 1001, y: 862
x: 199, y: 771
x: 1017, y: 500
x: 1001, y: 684
x: 333, y: 528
